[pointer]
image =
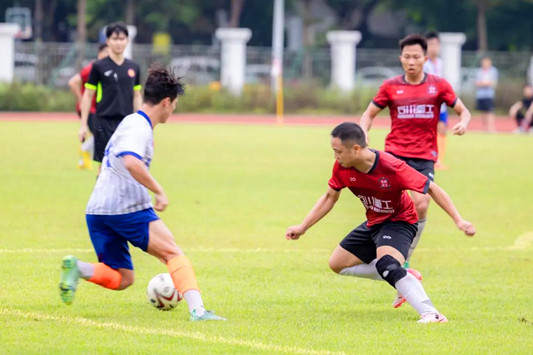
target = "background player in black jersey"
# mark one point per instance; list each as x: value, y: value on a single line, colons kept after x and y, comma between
x: 116, y: 82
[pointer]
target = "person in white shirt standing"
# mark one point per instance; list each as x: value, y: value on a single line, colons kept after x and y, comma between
x: 120, y: 208
x: 486, y: 81
x: 434, y: 66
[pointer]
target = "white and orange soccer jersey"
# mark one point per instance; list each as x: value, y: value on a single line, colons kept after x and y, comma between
x: 116, y: 191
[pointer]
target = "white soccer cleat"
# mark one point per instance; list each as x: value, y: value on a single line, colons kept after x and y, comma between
x: 433, y: 318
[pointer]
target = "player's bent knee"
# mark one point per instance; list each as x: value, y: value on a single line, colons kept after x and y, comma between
x: 334, y: 266
x: 127, y: 281
x: 337, y: 266
x: 390, y: 269
x: 168, y: 255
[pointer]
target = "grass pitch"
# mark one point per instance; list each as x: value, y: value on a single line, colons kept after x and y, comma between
x: 233, y: 190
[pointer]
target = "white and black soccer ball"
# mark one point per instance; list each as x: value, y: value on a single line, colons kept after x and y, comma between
x: 161, y: 292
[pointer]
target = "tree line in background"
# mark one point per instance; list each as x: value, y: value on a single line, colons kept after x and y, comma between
x: 488, y: 24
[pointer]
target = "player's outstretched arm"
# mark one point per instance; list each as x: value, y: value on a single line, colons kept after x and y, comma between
x: 465, y: 116
x: 319, y: 210
x: 140, y: 172
x: 368, y: 117
x: 445, y: 202
x: 86, y: 100
x: 74, y: 83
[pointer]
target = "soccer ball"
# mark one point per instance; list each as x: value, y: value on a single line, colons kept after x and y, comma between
x: 161, y: 292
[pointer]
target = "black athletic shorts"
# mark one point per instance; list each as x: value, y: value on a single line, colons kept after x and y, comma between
x: 103, y: 130
x: 363, y: 241
x: 485, y: 105
x: 423, y: 166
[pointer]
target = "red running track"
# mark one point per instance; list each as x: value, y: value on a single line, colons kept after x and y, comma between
x: 503, y: 124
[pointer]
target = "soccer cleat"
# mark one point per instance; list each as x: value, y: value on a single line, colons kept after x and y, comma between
x: 399, y: 300
x: 433, y: 318
x: 69, y: 278
x: 85, y: 162
x: 208, y: 315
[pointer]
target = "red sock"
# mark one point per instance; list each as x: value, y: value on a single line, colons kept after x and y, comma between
x: 105, y: 276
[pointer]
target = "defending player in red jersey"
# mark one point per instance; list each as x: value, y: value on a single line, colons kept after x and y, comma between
x: 414, y: 100
x: 377, y: 248
x: 77, y: 86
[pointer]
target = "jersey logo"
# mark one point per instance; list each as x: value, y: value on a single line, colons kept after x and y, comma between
x: 387, y: 237
x: 115, y: 75
x: 384, y: 183
x: 131, y: 73
x: 108, y: 72
x: 399, y: 92
x: 416, y: 111
x: 377, y: 205
x: 352, y: 178
x: 432, y: 90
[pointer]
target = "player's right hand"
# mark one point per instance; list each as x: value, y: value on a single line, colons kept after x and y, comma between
x: 161, y: 202
x: 467, y: 227
x: 294, y: 232
x: 82, y: 133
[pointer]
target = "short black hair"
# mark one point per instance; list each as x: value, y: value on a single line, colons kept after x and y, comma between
x: 350, y: 132
x: 413, y: 39
x: 101, y: 47
x: 116, y: 27
x: 160, y: 84
x: 431, y: 35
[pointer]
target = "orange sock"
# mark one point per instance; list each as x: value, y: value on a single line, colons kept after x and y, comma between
x: 106, y: 276
x: 182, y: 273
x: 441, y: 146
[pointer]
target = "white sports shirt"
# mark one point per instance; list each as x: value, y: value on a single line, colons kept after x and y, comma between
x: 116, y: 191
x: 435, y: 68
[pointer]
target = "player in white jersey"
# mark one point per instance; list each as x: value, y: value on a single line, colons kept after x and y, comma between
x: 434, y: 66
x: 120, y: 208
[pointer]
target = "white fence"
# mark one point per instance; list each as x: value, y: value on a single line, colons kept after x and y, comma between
x: 53, y: 63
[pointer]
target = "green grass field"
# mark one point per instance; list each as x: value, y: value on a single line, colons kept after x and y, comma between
x: 233, y: 190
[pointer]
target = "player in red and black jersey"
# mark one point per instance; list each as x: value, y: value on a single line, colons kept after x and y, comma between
x: 77, y: 86
x: 414, y: 100
x: 377, y: 248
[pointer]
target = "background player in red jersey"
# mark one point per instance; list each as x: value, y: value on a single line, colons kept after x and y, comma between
x: 77, y: 86
x: 414, y: 100
x: 377, y: 248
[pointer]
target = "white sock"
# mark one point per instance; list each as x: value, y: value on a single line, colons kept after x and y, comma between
x: 367, y: 271
x: 88, y: 145
x: 414, y: 293
x: 86, y: 269
x: 194, y: 301
x: 416, y: 239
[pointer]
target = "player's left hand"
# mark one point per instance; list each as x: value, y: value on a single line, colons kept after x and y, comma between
x: 161, y: 202
x: 459, y: 129
x: 467, y: 227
